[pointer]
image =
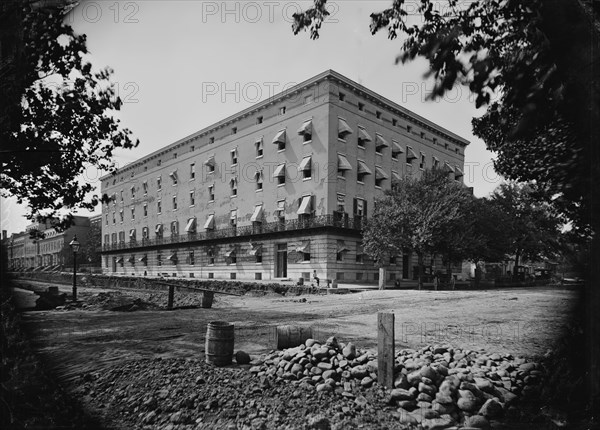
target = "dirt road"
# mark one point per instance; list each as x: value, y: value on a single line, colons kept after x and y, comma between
x: 517, y: 321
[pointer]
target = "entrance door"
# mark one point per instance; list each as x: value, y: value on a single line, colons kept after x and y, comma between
x: 405, y: 266
x: 281, y: 261
x: 114, y: 264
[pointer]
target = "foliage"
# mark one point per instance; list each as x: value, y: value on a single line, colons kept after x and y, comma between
x: 530, y: 225
x: 59, y: 118
x: 90, y: 251
x: 537, y: 58
x: 417, y: 215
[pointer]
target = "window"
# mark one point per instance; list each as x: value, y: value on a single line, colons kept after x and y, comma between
x: 306, y: 167
x: 359, y: 253
x: 233, y: 219
x: 410, y: 155
x: 259, y: 148
x: 279, y: 140
x: 159, y: 183
x: 121, y: 237
x: 192, y: 148
x: 234, y: 157
x: 363, y: 137
x: 174, y: 228
x: 190, y: 227
x: 343, y: 129
x: 380, y: 176
x: 144, y: 259
x: 393, y: 259
x: 282, y: 110
x: 360, y: 208
x: 422, y: 135
x: 457, y: 150
x: 211, y: 140
x: 396, y: 150
x: 132, y: 192
x: 258, y: 176
x: 159, y: 207
x: 132, y: 235
x: 394, y: 122
x: 174, y: 155
x: 159, y: 231
x: 192, y: 198
x: 233, y: 185
x: 159, y: 259
x: 173, y: 176
x: 121, y: 195
x: 409, y: 128
x: 106, y: 218
x: 145, y: 233
x: 158, y: 162
x: 341, y: 250
x: 192, y: 171
x: 280, y: 211
x: 211, y: 193
x: 380, y: 143
x: 342, y: 96
x: 279, y: 174
x: 114, y: 217
x: 174, y: 203
x: 113, y: 238
x: 233, y: 130
x: 343, y: 165
x: 210, y: 164
x: 435, y: 141
x: 191, y: 259
x: 210, y: 252
x: 133, y: 213
x: 361, y: 107
x: 304, y: 250
x: 145, y: 187
x: 435, y: 162
x: 306, y: 130
x: 362, y: 171
x: 422, y: 162
x: 378, y: 114
x: 106, y: 238
x: 259, y: 120
x: 121, y: 216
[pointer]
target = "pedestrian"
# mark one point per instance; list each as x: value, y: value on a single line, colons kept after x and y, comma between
x: 452, y: 282
x: 436, y: 281
x: 315, y: 277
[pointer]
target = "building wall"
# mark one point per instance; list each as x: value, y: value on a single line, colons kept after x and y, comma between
x: 137, y: 190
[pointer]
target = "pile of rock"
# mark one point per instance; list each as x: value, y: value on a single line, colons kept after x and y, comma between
x: 436, y: 386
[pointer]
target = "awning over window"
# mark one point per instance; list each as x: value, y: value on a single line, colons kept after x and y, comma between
x: 279, y: 171
x: 363, y: 169
x: 233, y: 181
x: 363, y: 135
x: 343, y: 128
x: 279, y: 137
x: 173, y: 257
x: 380, y: 174
x: 436, y: 159
x: 306, y: 128
x: 256, y: 249
x: 342, y: 248
x: 259, y: 142
x: 448, y: 168
x: 380, y: 142
x: 131, y: 259
x: 210, y: 161
x: 410, y: 154
x: 305, y: 164
x: 159, y: 229
x: 143, y: 259
x: 191, y: 225
x: 132, y: 233
x: 281, y: 205
x: 458, y: 173
x: 233, y: 214
x: 395, y: 176
x: 305, y: 247
x: 210, y: 222
x: 257, y: 214
x: 258, y: 176
x: 230, y: 252
x: 173, y: 174
x: 396, y: 148
x: 234, y: 153
x: 305, y: 206
x: 120, y: 260
x: 343, y: 163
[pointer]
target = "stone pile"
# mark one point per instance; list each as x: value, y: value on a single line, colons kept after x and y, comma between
x: 435, y: 386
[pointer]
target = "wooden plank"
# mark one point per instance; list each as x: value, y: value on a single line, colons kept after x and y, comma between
x: 385, y: 349
x: 197, y: 289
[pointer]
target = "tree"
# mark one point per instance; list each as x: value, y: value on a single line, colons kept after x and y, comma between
x: 415, y: 215
x: 531, y: 226
x: 92, y: 244
x: 58, y: 117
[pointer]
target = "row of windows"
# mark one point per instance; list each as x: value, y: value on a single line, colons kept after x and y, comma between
x: 395, y: 123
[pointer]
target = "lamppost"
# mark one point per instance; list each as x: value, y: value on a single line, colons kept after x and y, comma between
x: 75, y: 245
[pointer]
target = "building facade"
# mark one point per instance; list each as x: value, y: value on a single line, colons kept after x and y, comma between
x: 276, y: 191
x: 49, y: 251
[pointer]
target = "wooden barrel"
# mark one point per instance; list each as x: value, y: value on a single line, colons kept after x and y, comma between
x: 219, y: 343
x: 207, y: 299
x: 289, y: 336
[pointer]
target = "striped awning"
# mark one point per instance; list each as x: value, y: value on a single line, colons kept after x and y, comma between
x: 363, y: 135
x: 305, y: 206
x: 380, y: 174
x: 362, y: 168
x: 343, y: 128
x: 306, y: 128
x: 279, y: 137
x: 343, y: 163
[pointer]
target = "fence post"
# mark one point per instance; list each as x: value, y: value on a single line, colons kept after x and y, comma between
x: 385, y: 349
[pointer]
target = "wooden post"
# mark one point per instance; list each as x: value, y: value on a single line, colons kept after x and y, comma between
x: 171, y: 296
x: 385, y: 349
x: 382, y: 275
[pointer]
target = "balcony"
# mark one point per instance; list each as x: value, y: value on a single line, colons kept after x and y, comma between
x: 337, y: 220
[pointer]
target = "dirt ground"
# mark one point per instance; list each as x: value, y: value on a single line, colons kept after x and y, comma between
x: 523, y: 322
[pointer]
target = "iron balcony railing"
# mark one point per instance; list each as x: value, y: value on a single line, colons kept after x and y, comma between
x: 336, y: 220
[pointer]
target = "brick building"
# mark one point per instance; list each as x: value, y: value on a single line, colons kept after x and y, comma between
x: 278, y: 190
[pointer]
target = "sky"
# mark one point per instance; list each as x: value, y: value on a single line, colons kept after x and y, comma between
x: 180, y: 66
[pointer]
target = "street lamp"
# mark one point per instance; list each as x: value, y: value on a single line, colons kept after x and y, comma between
x: 75, y: 245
